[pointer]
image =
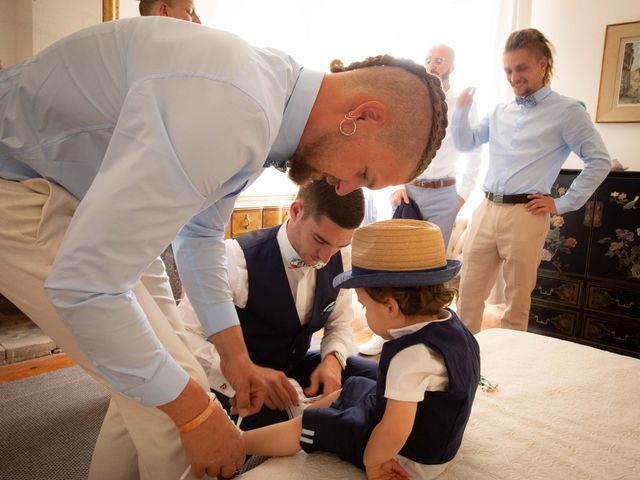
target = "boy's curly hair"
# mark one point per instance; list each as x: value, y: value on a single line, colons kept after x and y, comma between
x: 421, y: 300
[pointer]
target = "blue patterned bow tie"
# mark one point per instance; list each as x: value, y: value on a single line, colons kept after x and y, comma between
x: 299, y: 263
x: 528, y: 101
x: 280, y: 165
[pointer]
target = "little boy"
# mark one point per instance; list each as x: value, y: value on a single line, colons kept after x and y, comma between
x: 410, y: 423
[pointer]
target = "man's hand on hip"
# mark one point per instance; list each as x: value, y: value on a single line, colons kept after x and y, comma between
x: 541, y: 204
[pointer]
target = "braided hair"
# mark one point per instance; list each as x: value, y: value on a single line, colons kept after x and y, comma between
x: 434, y: 91
x: 535, y: 41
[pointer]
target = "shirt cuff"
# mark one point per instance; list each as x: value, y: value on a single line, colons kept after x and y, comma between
x: 164, y: 387
x: 217, y: 381
x: 562, y: 206
x: 337, y: 347
x: 218, y: 317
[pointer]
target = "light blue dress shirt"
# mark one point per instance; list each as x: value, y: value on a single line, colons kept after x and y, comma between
x: 156, y: 125
x: 529, y: 144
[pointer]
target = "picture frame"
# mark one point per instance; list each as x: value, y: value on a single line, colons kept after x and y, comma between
x: 619, y: 93
x: 110, y: 10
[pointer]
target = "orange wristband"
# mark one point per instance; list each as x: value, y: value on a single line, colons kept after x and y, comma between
x: 199, y: 420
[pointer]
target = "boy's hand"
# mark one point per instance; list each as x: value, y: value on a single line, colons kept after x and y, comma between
x: 389, y: 470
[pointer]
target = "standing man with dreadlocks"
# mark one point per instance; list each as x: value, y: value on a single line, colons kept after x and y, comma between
x: 127, y: 135
x: 529, y: 140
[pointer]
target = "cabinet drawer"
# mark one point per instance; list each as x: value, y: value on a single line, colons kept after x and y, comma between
x: 557, y: 290
x: 618, y: 301
x: 552, y: 321
x: 271, y: 216
x: 618, y: 334
x: 244, y: 220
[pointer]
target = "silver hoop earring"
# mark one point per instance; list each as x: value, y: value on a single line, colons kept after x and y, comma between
x: 352, y: 119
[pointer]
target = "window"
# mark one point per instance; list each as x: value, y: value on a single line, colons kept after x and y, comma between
x: 316, y: 32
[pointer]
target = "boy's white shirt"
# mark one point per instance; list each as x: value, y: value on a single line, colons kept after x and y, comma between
x: 338, y: 332
x: 415, y: 369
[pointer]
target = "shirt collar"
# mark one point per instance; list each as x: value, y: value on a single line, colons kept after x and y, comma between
x: 286, y: 249
x: 402, y: 331
x: 541, y: 94
x: 296, y: 114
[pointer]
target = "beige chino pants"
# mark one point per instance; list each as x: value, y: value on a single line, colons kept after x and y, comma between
x: 507, y: 236
x: 135, y: 441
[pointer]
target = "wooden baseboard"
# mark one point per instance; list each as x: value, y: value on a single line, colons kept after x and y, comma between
x: 37, y: 366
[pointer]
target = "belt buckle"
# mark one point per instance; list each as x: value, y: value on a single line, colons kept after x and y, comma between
x: 498, y: 198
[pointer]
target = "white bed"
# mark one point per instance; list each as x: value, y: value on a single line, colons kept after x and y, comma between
x: 561, y: 411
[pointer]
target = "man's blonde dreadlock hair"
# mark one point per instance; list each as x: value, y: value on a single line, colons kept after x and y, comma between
x: 434, y: 91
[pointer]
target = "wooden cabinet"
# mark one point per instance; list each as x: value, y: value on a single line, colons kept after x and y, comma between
x: 588, y: 287
x: 244, y: 220
x: 258, y: 212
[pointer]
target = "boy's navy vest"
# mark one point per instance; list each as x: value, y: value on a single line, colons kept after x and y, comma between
x: 270, y: 323
x: 441, y: 417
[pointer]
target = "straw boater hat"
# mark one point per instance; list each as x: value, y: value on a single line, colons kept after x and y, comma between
x: 397, y: 253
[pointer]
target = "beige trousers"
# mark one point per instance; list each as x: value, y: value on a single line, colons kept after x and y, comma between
x: 135, y: 441
x: 506, y: 235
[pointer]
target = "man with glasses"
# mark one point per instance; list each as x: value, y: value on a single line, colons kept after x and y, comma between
x: 437, y: 193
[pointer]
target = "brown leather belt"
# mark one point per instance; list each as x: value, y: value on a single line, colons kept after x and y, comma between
x: 510, y: 199
x: 435, y: 184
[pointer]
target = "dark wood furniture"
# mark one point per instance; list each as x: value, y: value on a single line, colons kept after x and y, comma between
x: 588, y: 287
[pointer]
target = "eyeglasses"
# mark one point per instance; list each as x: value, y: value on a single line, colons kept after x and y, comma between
x: 436, y: 60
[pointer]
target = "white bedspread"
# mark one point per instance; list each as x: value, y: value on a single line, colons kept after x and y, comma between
x: 561, y: 411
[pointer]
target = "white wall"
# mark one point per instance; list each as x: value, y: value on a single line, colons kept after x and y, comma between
x: 28, y: 26
x: 15, y: 31
x: 577, y: 30
x: 54, y: 19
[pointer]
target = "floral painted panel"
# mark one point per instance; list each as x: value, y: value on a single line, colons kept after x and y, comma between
x: 616, y: 248
x: 566, y: 246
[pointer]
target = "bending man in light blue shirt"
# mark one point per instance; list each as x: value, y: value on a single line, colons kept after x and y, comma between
x: 529, y: 140
x: 125, y: 136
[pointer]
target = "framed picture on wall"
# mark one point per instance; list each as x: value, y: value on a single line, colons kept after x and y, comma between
x: 110, y: 10
x: 619, y: 95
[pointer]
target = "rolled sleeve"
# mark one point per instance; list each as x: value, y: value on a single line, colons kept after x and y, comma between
x: 338, y: 331
x: 466, y: 137
x: 470, y: 163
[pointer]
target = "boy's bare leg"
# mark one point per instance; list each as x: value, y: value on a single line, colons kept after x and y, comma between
x: 281, y: 439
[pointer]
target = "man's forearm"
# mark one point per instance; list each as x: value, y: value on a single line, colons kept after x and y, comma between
x: 229, y: 343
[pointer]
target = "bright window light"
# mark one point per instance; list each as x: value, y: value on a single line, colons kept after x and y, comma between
x: 315, y: 32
